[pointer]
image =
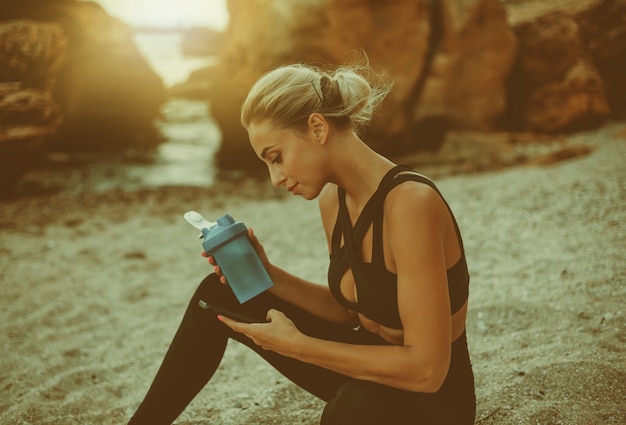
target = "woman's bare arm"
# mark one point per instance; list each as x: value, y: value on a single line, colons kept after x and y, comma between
x: 417, y: 224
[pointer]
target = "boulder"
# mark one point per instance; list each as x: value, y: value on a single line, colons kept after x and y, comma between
x: 28, y: 118
x: 31, y: 55
x: 107, y: 92
x: 557, y: 84
x: 449, y: 60
x: 32, y: 52
x: 71, y: 79
x: 569, y: 72
x: 28, y: 108
x: 604, y: 32
x: 464, y: 88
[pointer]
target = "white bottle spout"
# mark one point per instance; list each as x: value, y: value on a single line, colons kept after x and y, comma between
x: 199, y: 222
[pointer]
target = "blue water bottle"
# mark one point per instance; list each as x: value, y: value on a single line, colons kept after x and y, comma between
x: 227, y: 241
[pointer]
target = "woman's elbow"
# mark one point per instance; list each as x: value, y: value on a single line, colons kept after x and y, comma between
x: 429, y: 380
x: 436, y: 380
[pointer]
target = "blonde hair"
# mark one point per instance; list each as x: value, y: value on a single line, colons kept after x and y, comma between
x: 287, y: 96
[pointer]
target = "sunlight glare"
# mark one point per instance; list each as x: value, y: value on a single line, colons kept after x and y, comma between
x: 169, y: 13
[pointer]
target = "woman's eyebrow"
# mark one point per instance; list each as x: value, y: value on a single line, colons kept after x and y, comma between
x: 264, y: 152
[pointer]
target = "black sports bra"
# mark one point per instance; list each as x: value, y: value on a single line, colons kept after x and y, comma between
x: 377, y: 287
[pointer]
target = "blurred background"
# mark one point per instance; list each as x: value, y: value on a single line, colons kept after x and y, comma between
x: 85, y: 89
x: 139, y: 93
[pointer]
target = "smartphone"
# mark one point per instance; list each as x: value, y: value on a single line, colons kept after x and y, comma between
x: 229, y: 313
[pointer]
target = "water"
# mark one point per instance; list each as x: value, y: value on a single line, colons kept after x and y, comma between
x: 191, y: 136
x: 185, y: 158
x: 162, y: 50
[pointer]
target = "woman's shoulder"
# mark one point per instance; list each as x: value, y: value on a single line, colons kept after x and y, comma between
x: 413, y: 199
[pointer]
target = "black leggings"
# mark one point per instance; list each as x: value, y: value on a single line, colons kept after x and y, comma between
x: 199, y: 344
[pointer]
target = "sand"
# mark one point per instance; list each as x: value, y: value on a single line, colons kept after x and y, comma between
x: 93, y: 286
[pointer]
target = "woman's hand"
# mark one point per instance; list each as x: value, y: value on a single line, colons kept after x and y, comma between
x: 258, y: 247
x: 260, y: 251
x: 216, y: 268
x: 279, y: 334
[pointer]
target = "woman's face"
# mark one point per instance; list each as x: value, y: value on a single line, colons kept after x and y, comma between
x: 295, y: 160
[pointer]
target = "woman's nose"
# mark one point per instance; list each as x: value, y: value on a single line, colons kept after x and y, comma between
x: 276, y: 176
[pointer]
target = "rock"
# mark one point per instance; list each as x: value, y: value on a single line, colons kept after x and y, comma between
x: 108, y: 92
x: 556, y: 84
x: 29, y: 108
x: 449, y: 63
x: 71, y: 79
x: 31, y: 55
x: 569, y: 73
x: 197, y: 86
x: 465, y: 86
x: 576, y: 102
x: 478, y: 65
x: 394, y: 36
x: 604, y: 29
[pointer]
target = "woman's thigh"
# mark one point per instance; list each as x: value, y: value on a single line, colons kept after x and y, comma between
x: 319, y: 381
x: 365, y: 403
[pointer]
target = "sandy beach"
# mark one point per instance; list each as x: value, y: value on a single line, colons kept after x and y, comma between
x: 93, y: 286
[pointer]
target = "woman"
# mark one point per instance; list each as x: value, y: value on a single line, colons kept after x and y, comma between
x: 384, y: 342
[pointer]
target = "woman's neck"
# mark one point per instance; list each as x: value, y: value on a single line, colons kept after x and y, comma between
x: 357, y: 169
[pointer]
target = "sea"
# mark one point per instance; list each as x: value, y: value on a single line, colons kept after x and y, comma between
x: 185, y: 157
x: 191, y: 136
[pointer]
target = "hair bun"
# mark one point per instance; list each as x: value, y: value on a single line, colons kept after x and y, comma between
x: 288, y: 95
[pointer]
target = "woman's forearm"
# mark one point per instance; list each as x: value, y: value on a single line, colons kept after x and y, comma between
x: 311, y: 297
x: 396, y: 366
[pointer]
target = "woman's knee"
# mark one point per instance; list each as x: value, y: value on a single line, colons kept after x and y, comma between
x: 212, y: 289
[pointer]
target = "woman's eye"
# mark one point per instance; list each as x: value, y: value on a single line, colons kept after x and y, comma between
x: 276, y: 159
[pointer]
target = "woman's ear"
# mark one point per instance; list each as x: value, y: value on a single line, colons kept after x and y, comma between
x: 318, y: 126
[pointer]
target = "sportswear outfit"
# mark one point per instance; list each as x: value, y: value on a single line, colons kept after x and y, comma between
x: 199, y: 344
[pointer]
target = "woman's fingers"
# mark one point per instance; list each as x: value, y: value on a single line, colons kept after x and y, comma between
x: 258, y: 247
x: 209, y: 257
x: 216, y: 269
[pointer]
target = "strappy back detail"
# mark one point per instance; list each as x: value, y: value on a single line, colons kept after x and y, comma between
x: 375, y: 285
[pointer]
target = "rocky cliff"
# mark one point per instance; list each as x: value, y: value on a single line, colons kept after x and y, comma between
x: 31, y: 55
x: 477, y: 64
x: 449, y: 61
x: 569, y: 73
x: 71, y: 79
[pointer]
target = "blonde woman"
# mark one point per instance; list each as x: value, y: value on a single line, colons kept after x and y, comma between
x: 384, y: 341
